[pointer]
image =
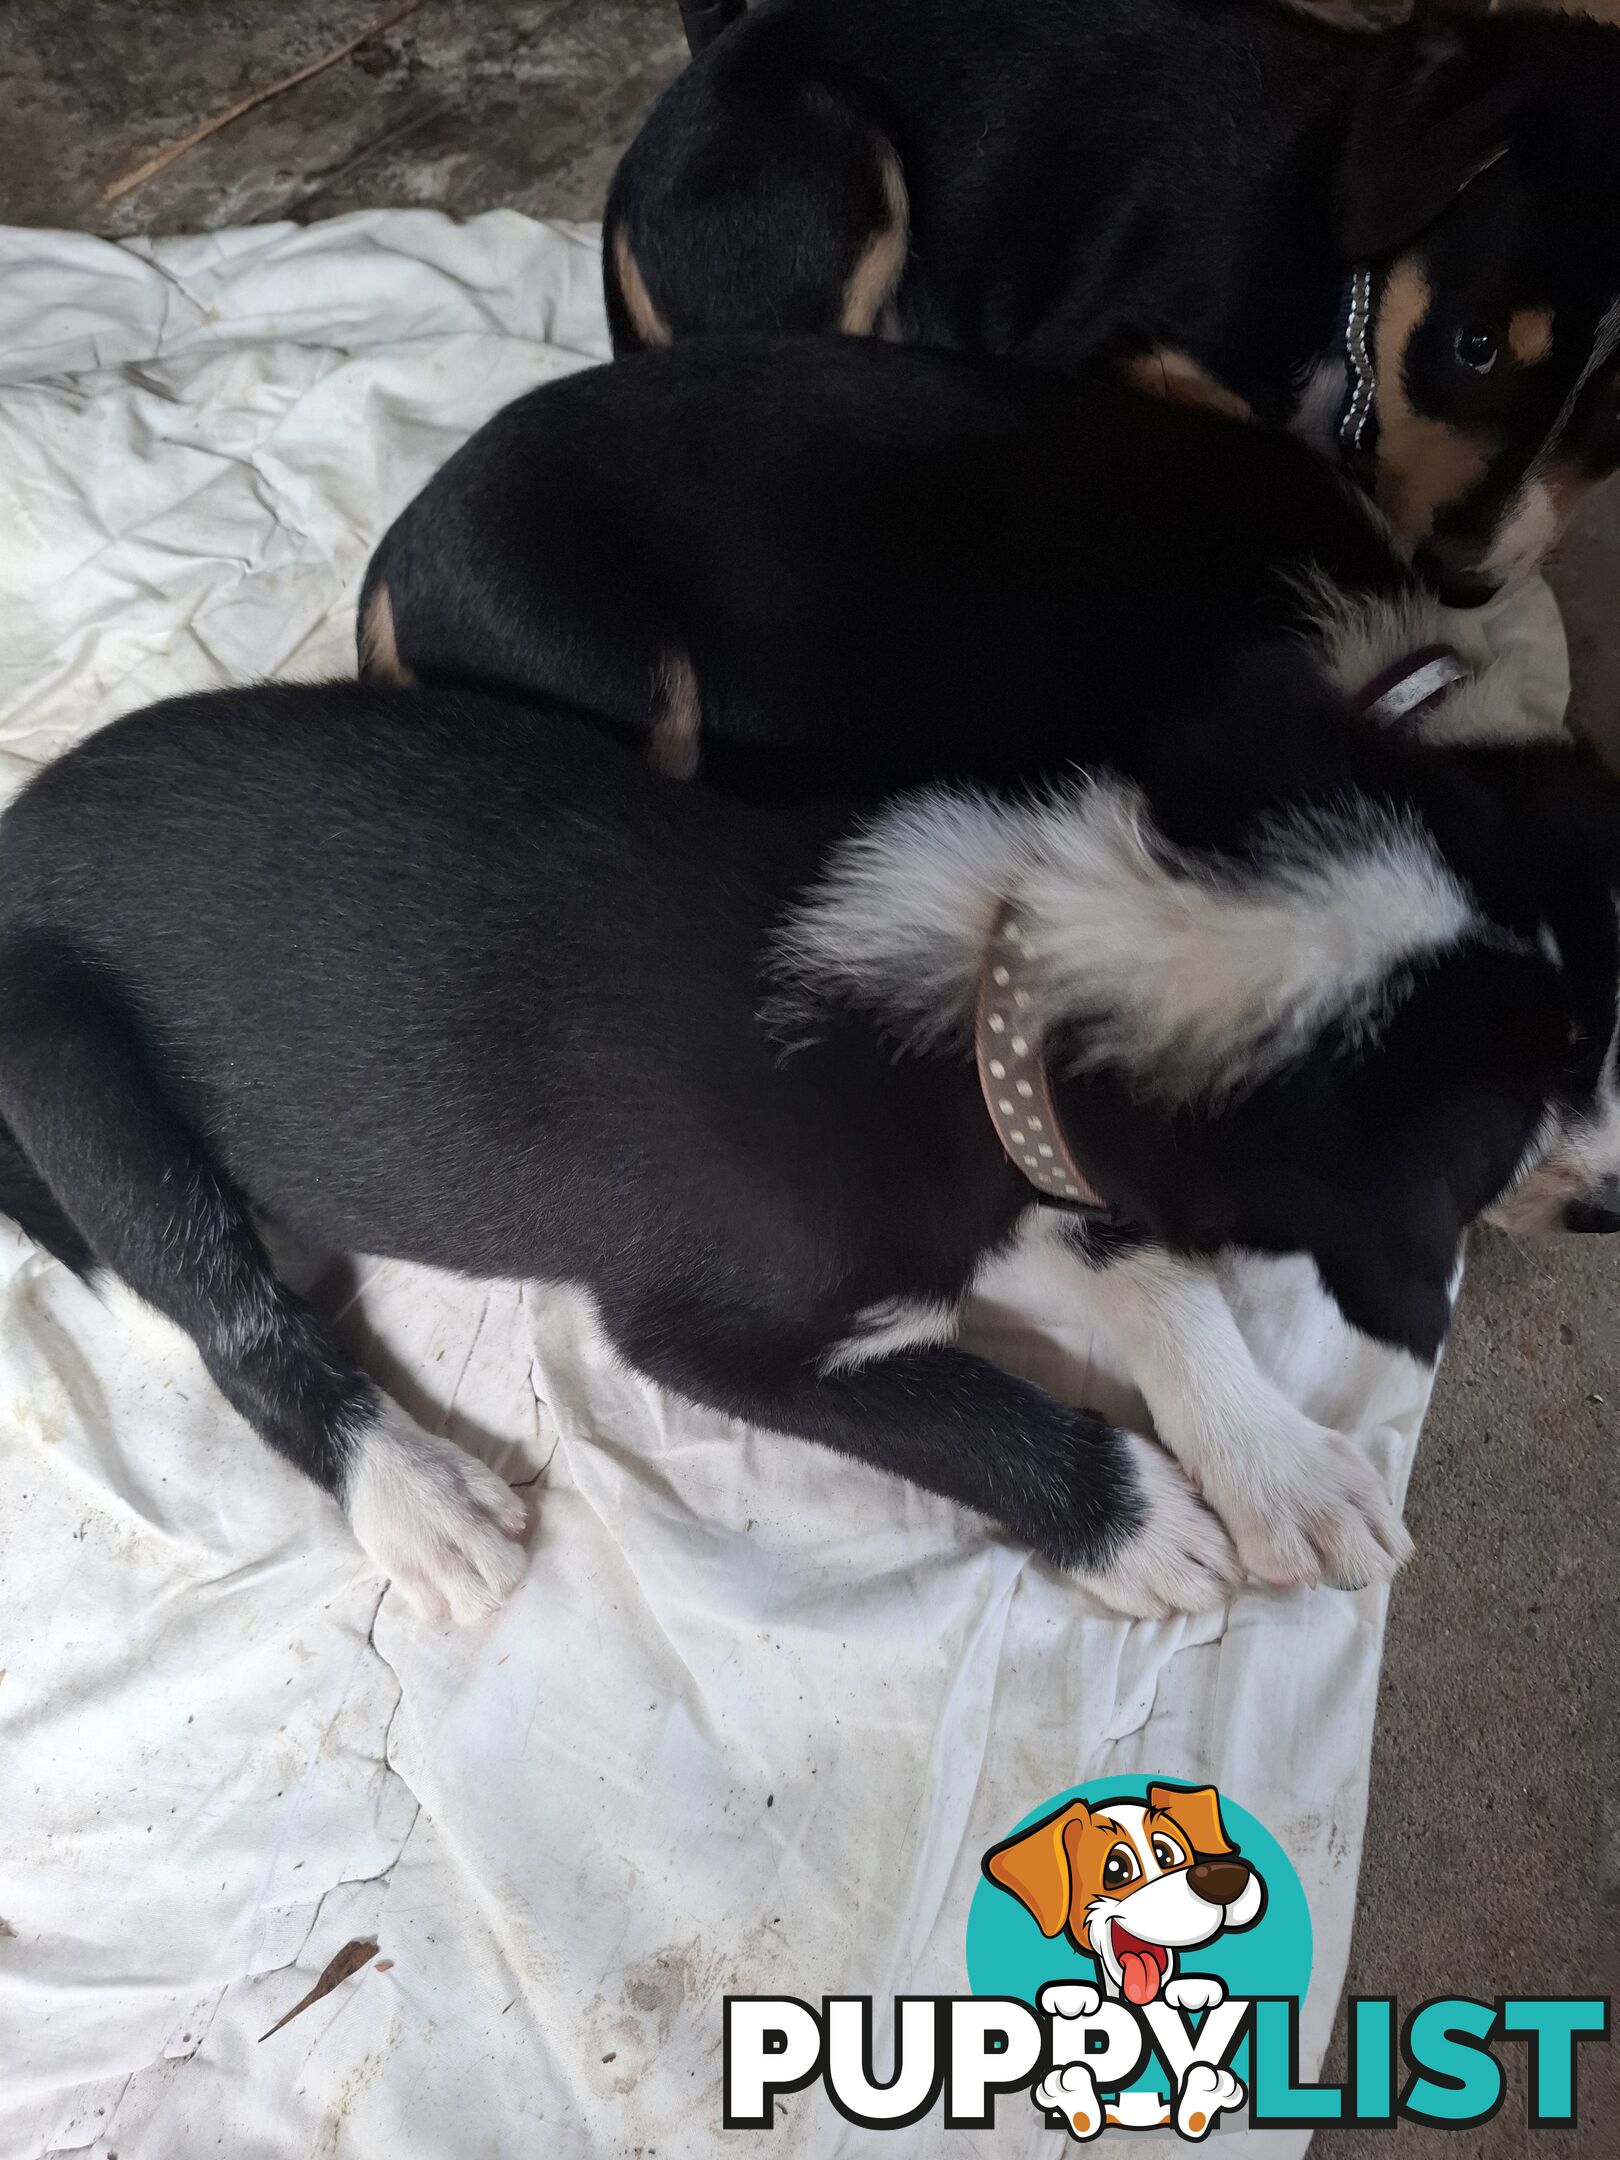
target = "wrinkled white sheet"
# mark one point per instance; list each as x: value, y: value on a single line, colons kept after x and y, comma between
x: 753, y: 1716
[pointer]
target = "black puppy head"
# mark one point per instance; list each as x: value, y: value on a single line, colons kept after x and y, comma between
x: 1482, y: 184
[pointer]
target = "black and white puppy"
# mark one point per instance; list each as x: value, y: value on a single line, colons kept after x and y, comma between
x: 404, y: 972
x: 1404, y: 246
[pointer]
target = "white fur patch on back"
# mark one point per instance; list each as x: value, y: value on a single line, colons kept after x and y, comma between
x: 1193, y: 977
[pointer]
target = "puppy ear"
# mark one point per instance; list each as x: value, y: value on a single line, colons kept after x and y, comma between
x: 1432, y: 114
x: 1034, y: 1866
x: 1198, y: 1811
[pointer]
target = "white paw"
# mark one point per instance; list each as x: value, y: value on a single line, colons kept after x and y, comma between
x: 1205, y: 2093
x: 1181, y: 1560
x: 437, y: 1521
x: 1069, y: 1999
x: 1072, y: 2093
x: 1307, y: 1505
x: 1194, y: 1991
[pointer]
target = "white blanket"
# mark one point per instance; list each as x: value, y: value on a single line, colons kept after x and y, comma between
x: 753, y: 1716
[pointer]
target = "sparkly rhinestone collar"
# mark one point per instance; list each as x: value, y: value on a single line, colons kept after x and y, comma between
x: 1358, y: 415
x: 1012, y: 1073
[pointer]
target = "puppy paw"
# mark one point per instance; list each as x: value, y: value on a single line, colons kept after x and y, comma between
x: 1194, y: 1991
x: 1310, y: 1507
x: 437, y: 1521
x: 1072, y: 2093
x: 1180, y: 1559
x: 1069, y: 1999
x: 1206, y: 2093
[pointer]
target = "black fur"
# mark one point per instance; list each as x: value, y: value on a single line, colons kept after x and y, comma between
x: 407, y: 973
x: 703, y: 20
x: 1092, y: 179
x: 884, y: 565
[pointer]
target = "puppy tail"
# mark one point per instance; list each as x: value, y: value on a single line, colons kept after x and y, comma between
x: 28, y: 1200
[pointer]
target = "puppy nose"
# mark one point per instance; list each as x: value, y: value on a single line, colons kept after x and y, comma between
x: 1598, y: 1210
x: 1218, y: 1882
x: 1592, y: 1216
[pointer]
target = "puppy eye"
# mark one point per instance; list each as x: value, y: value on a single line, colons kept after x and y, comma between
x: 1120, y: 1868
x: 1476, y: 350
x: 1167, y: 1853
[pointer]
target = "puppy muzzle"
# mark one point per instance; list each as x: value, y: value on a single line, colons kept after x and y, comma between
x: 1598, y: 1214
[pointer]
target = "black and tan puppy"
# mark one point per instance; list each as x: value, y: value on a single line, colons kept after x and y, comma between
x: 1406, y: 247
x: 422, y: 974
x: 799, y: 565
x: 793, y: 565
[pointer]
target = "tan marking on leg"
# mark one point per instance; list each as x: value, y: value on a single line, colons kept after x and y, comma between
x: 1424, y: 465
x: 651, y: 327
x: 379, y: 649
x: 1178, y: 378
x: 873, y: 280
x: 1196, y: 2121
x: 672, y: 747
x: 1530, y: 334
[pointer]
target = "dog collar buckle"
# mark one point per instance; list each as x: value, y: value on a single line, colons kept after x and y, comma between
x: 1013, y: 1076
x: 1399, y: 695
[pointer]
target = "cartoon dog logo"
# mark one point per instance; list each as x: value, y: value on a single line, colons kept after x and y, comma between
x: 1134, y: 1884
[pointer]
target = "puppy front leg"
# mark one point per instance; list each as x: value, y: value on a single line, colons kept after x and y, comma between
x: 1303, y: 1503
x: 1106, y: 1504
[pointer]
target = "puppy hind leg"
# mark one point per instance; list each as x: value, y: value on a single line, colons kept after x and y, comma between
x: 1101, y: 1503
x: 1091, y: 1500
x: 149, y: 1206
x: 28, y: 1201
x: 868, y: 305
x: 377, y: 639
x: 673, y: 741
x: 810, y: 232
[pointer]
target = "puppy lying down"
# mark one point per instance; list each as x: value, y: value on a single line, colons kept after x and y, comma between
x: 424, y: 975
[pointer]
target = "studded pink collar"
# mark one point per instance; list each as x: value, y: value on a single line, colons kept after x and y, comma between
x: 1012, y: 1072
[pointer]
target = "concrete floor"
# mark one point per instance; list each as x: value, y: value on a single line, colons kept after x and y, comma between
x: 1492, y: 1858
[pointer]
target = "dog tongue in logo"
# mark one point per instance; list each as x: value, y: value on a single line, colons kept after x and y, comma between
x: 1141, y: 1966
